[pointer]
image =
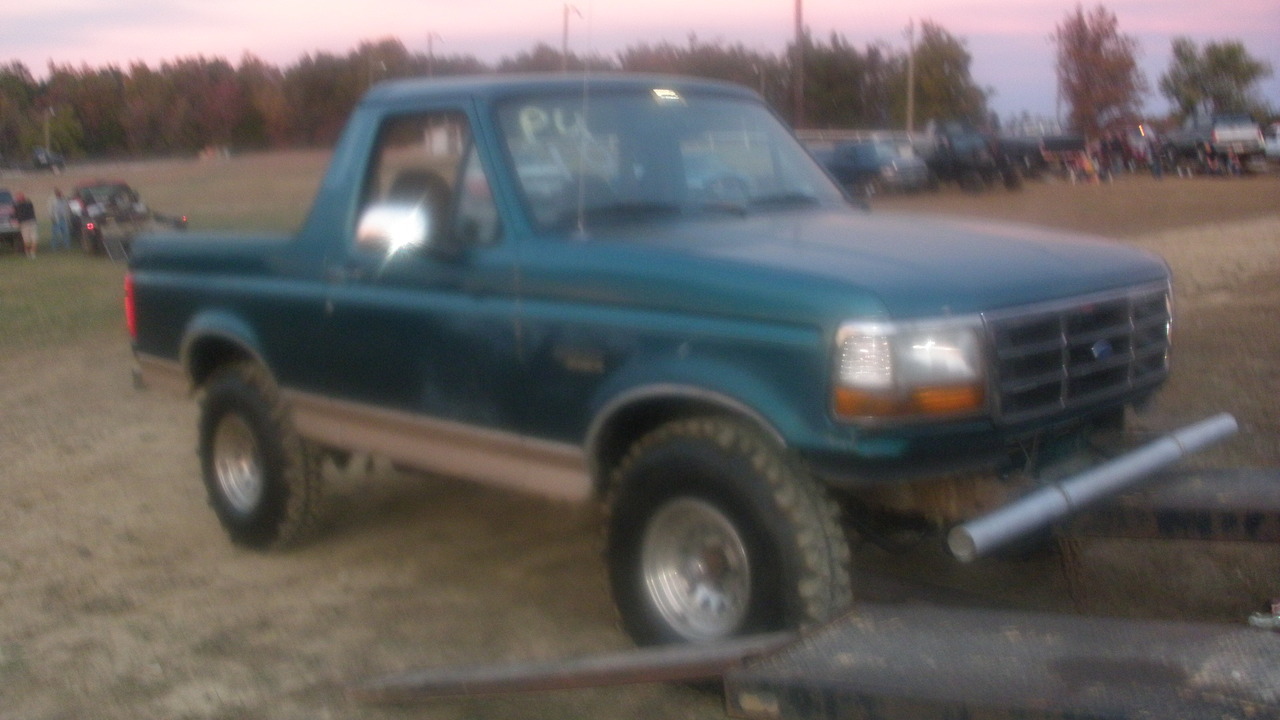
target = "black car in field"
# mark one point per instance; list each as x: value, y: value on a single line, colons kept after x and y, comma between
x: 873, y: 166
x: 100, y: 204
x: 973, y: 159
x: 46, y: 159
x: 111, y: 207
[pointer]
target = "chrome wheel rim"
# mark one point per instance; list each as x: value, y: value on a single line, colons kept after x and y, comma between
x: 236, y: 466
x: 696, y: 570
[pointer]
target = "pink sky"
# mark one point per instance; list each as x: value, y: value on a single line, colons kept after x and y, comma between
x: 1009, y: 39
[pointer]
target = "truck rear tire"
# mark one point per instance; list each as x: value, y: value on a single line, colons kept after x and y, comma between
x: 263, y: 480
x: 716, y: 533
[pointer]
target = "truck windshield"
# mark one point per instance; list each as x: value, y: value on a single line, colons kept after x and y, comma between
x: 640, y: 156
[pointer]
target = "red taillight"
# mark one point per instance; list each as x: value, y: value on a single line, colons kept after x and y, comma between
x: 89, y: 226
x: 130, y: 307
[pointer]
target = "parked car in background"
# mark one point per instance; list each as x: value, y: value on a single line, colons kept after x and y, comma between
x: 869, y: 167
x: 97, y: 204
x: 1034, y: 155
x: 1272, y: 141
x: 9, y: 230
x: 46, y: 159
x: 1210, y: 141
x: 99, y: 207
x: 973, y: 159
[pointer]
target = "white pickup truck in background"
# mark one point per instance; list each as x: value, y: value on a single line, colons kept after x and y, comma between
x: 1214, y: 140
x: 1272, y: 141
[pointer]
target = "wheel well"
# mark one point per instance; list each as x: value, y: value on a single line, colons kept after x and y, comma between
x: 610, y: 442
x: 206, y: 355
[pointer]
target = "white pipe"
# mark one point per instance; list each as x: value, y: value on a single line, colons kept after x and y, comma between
x: 1055, y: 501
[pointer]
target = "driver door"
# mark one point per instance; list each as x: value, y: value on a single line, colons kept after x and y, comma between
x: 427, y: 328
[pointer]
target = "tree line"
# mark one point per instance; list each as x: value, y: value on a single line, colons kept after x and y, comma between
x: 189, y: 104
x: 1099, y: 79
x: 193, y: 103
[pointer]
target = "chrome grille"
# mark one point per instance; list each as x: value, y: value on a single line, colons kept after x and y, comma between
x: 1066, y: 356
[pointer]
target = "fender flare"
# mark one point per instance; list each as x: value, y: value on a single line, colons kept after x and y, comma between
x: 220, y: 330
x: 633, y: 404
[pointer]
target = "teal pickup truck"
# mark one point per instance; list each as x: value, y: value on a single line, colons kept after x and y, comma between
x: 642, y: 291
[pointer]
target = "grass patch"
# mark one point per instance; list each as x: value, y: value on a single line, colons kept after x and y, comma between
x: 57, y: 298
x: 269, y: 192
x: 60, y: 297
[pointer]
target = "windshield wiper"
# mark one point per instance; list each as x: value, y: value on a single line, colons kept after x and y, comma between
x: 784, y: 199
x: 723, y: 206
x: 633, y: 211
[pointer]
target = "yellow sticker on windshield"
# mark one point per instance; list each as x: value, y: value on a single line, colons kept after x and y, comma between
x: 664, y: 95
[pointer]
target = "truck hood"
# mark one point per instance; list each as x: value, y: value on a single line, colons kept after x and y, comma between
x: 914, y: 266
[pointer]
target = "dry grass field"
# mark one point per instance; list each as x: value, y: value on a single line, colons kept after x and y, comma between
x: 123, y: 599
x: 269, y: 191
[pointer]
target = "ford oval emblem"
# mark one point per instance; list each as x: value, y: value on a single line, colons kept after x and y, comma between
x: 1102, y: 350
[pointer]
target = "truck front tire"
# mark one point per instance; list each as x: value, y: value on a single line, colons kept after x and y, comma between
x: 263, y: 480
x: 715, y: 533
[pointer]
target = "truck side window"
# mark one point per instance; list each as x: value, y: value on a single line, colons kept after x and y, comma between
x: 429, y: 159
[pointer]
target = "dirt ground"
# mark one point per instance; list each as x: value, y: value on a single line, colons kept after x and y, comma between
x: 123, y: 599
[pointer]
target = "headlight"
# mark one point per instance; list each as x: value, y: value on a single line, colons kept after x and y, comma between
x: 892, y: 370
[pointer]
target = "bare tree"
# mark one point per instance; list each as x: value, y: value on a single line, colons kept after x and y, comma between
x: 1098, y: 75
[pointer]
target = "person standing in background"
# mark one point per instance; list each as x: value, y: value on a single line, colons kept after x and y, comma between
x: 25, y: 213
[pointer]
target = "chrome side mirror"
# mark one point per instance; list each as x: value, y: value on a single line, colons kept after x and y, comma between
x: 388, y: 228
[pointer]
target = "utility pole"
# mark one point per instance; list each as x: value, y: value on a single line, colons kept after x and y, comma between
x: 431, y: 52
x: 377, y: 68
x: 564, y: 37
x: 911, y: 76
x: 797, y: 69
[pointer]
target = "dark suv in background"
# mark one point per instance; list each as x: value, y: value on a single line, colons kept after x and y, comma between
x: 46, y: 159
x: 98, y: 204
x: 101, y: 207
x: 868, y: 167
x: 9, y: 231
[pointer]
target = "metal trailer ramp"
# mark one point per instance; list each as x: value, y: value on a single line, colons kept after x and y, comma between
x: 1196, y: 544
x: 117, y: 240
x: 926, y: 662
x: 928, y: 658
x: 673, y: 663
x: 115, y: 248
x: 1229, y: 505
x: 918, y: 662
